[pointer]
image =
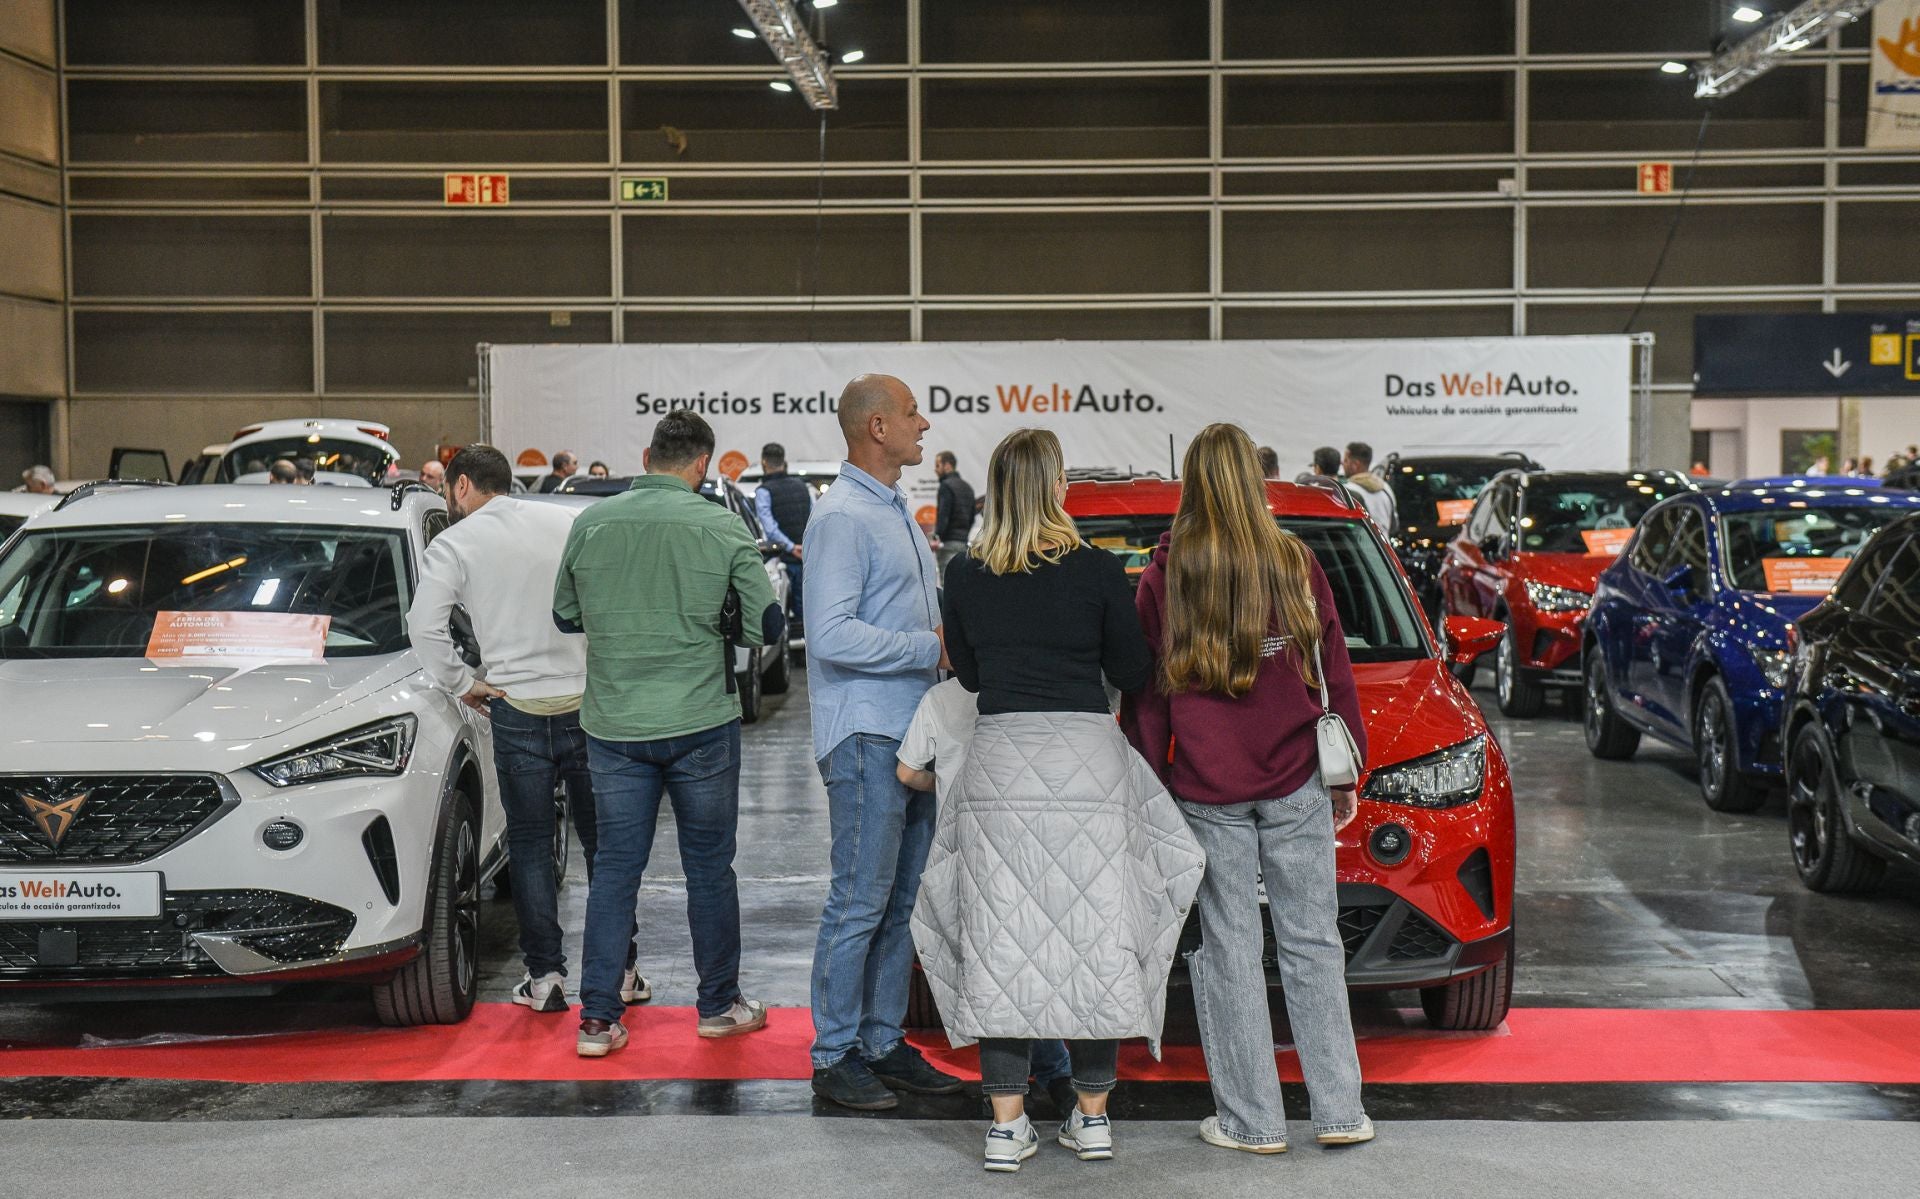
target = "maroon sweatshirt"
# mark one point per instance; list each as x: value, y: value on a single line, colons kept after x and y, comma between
x: 1209, y: 748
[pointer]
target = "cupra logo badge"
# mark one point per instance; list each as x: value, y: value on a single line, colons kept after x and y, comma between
x: 54, y: 816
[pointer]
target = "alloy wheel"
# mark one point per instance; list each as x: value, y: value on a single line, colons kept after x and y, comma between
x: 1503, y: 670
x: 1712, y: 749
x: 466, y: 909
x: 1809, y: 828
x: 1596, y: 700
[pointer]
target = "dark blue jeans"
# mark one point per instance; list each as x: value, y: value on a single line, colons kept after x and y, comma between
x: 530, y: 755
x: 700, y: 775
x: 795, y: 614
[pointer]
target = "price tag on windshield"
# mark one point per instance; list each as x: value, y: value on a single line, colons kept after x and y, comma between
x: 1803, y: 576
x: 1606, y: 541
x: 1454, y: 512
x: 282, y: 636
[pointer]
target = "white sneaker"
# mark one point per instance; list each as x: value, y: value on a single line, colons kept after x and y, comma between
x: 1353, y: 1136
x: 548, y: 993
x: 633, y: 988
x: 1010, y: 1144
x: 1213, y: 1134
x: 1090, y: 1137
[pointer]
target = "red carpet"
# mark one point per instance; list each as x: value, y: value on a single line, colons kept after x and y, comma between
x: 1538, y: 1045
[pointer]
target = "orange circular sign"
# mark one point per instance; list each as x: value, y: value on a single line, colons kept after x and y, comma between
x: 732, y: 463
x: 530, y: 458
x: 926, y: 516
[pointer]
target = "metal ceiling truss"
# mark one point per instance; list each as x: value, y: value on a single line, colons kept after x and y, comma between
x: 1727, y: 72
x: 785, y: 33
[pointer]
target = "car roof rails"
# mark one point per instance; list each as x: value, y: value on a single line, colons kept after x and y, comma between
x: 404, y: 486
x: 1525, y: 460
x: 1109, y: 474
x: 86, y: 489
x: 1332, y: 487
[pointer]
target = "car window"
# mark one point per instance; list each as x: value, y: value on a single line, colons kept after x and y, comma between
x: 1655, y: 539
x: 1857, y: 583
x: 327, y: 454
x: 1578, y: 515
x: 1796, y: 549
x: 95, y: 592
x: 1375, y: 613
x: 435, y: 524
x: 1896, y: 601
x: 1420, y: 492
x: 1689, y: 541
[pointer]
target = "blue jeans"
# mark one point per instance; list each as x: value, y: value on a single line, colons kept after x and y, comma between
x: 530, y: 755
x: 882, y: 830
x: 700, y: 775
x: 1048, y: 1060
x: 795, y: 613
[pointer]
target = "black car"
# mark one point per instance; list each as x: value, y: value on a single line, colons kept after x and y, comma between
x: 1433, y: 494
x: 1852, y: 720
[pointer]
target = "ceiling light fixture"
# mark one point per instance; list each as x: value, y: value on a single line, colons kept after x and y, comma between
x: 781, y: 85
x: 1729, y: 71
x: 1674, y: 68
x: 785, y: 33
x: 853, y: 56
x: 746, y: 33
x: 825, y: 3
x: 1747, y: 15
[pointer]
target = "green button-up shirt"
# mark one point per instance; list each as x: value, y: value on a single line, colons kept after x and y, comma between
x: 645, y: 574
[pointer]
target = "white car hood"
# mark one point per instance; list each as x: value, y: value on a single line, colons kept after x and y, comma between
x: 101, y: 701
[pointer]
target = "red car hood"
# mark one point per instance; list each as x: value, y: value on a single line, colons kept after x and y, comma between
x: 1412, y: 709
x: 1578, y: 571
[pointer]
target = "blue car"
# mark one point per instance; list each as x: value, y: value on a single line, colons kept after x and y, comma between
x: 1687, y: 639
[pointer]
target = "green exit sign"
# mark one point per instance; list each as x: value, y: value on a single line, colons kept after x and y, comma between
x: 643, y: 189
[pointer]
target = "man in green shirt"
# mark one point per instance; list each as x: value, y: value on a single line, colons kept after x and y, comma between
x: 645, y: 576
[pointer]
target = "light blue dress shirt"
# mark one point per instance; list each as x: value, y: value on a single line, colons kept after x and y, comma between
x: 872, y: 606
x: 763, y: 508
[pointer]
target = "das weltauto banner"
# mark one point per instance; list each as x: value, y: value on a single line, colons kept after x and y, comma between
x: 1893, y: 106
x: 1564, y: 400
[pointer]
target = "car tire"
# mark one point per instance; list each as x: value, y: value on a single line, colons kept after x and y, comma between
x: 922, y: 1011
x: 1608, y: 736
x: 1824, y: 853
x: 438, y: 986
x: 1476, y: 1003
x: 1519, y: 696
x: 748, y: 681
x: 562, y: 833
x: 780, y: 679
x: 1721, y: 784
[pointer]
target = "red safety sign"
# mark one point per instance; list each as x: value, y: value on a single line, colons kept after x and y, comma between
x: 476, y: 189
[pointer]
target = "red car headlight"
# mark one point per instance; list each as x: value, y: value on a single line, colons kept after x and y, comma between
x: 1443, y: 779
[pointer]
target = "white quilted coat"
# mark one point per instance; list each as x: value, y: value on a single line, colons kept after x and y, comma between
x: 1060, y: 877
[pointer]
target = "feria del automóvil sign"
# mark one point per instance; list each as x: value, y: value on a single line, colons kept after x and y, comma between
x: 1565, y: 400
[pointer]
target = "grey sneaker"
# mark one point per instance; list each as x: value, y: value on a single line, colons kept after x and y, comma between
x: 548, y: 993
x: 1213, y: 1134
x: 598, y: 1038
x: 1010, y: 1144
x: 1090, y: 1137
x: 633, y: 988
x: 1352, y: 1136
x: 746, y: 1015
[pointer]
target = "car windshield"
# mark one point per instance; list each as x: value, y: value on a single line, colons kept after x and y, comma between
x: 1797, y: 550
x: 96, y: 592
x: 1443, y: 495
x: 1375, y: 612
x: 328, y: 454
x: 1587, y: 516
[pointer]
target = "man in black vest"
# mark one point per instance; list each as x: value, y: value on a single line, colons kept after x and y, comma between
x: 953, y: 522
x: 783, y: 504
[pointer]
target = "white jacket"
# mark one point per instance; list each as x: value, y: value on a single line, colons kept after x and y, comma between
x: 499, y: 564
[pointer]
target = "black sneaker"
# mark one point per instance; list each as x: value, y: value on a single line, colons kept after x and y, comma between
x: 849, y: 1083
x: 904, y: 1069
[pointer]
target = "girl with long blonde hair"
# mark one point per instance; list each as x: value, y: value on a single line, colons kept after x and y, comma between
x: 1246, y: 639
x: 1034, y: 920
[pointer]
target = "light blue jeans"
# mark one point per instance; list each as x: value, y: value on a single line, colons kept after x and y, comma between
x: 882, y: 831
x: 1289, y: 843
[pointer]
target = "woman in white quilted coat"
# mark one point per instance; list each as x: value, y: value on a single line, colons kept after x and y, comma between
x: 1061, y: 870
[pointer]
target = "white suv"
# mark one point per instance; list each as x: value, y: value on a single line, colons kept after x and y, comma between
x: 343, y: 452
x: 174, y: 813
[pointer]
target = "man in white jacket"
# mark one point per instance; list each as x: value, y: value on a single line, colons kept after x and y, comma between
x: 1370, y: 489
x: 496, y: 562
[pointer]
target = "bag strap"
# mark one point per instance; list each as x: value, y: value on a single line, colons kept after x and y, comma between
x: 1320, y: 670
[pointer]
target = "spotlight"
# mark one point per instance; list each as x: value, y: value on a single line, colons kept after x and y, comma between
x: 746, y: 33
x: 781, y: 85
x: 1673, y: 68
x: 1742, y: 14
x: 853, y: 56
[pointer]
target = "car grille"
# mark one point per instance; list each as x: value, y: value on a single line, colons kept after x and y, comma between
x: 122, y: 818
x: 285, y: 928
x: 1417, y: 938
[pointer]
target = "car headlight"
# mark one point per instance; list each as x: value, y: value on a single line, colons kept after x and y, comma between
x: 1774, y: 666
x: 374, y: 749
x: 1548, y: 598
x: 1445, y: 779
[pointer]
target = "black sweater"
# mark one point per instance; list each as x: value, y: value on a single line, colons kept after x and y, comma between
x: 1039, y: 641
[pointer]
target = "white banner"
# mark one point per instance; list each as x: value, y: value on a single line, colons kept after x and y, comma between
x: 1893, y: 99
x: 1564, y: 400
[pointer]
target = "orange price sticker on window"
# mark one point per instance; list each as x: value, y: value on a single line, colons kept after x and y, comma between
x: 1606, y: 541
x: 1803, y: 576
x: 283, y: 636
x: 1454, y: 512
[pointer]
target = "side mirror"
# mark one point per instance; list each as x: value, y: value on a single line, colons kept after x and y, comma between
x: 1470, y: 636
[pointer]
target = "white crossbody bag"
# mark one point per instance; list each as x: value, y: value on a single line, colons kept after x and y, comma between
x: 1339, y: 756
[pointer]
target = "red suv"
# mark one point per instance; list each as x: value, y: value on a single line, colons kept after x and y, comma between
x: 1426, y: 871
x: 1531, y: 554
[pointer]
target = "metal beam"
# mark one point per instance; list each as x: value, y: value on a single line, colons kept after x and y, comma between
x: 1731, y: 70
x: 785, y: 33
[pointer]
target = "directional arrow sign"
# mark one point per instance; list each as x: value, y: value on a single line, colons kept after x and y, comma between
x: 1837, y: 366
x: 1806, y: 354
